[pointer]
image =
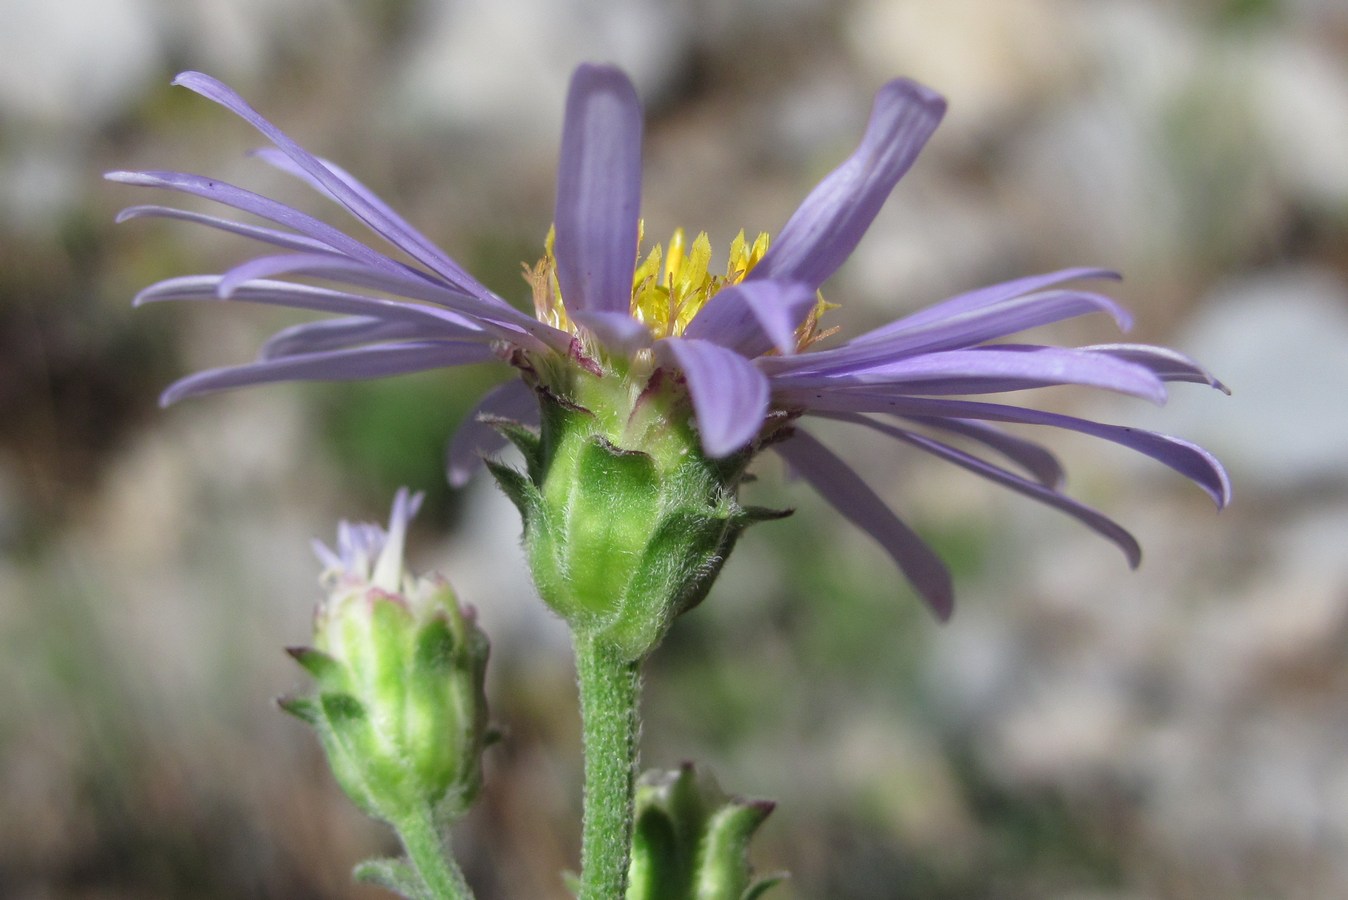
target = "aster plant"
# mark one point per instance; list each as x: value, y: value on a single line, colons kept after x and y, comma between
x: 647, y: 383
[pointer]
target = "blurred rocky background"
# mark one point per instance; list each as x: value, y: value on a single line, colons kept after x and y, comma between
x: 1078, y: 730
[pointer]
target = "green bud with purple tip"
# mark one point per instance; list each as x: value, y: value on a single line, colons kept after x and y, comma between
x: 399, y: 668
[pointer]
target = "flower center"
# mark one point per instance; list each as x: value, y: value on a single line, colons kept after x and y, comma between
x: 669, y: 289
x: 669, y: 286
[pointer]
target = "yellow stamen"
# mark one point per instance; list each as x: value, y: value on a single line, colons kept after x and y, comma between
x: 670, y: 286
x: 808, y: 333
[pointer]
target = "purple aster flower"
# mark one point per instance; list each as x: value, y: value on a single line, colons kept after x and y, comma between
x: 742, y: 348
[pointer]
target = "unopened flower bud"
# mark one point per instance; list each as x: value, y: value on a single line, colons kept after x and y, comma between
x: 400, y: 667
x: 691, y: 840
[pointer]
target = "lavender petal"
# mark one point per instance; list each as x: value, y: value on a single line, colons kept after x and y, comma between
x: 837, y: 483
x: 1030, y: 456
x: 753, y: 317
x: 333, y: 267
x: 1166, y: 364
x: 507, y: 323
x: 455, y: 273
x: 376, y: 215
x: 290, y: 263
x: 339, y: 365
x: 468, y: 314
x: 266, y: 235
x: 476, y: 438
x: 304, y: 296
x: 828, y: 225
x: 258, y: 205
x: 617, y: 331
x: 998, y: 293
x: 730, y: 396
x: 985, y: 370
x: 338, y: 334
x: 1092, y: 519
x: 598, y: 191
x: 1190, y: 460
x: 989, y: 322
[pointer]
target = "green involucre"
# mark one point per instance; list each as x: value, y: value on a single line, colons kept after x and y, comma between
x: 399, y: 703
x: 626, y: 521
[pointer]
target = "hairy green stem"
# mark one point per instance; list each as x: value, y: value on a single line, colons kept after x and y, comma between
x: 609, y: 689
x: 428, y: 851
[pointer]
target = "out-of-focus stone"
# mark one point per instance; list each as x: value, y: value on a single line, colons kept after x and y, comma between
x: 1277, y: 339
x: 502, y: 65
x: 1302, y: 98
x: 74, y: 61
x: 487, y: 567
x: 995, y: 60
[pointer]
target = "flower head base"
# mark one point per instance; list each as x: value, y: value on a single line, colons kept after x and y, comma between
x: 626, y: 521
x: 656, y: 357
x: 400, y: 669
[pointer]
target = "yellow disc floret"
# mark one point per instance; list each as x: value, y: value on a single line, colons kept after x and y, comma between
x: 665, y: 298
x: 669, y: 287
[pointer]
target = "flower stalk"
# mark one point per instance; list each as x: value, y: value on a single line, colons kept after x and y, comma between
x: 428, y: 851
x: 610, y: 687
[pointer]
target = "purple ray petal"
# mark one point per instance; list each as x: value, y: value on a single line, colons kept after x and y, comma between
x: 837, y: 483
x: 1167, y: 364
x: 1190, y: 460
x: 338, y: 334
x: 986, y: 370
x: 333, y: 267
x: 963, y: 330
x: 337, y: 365
x: 376, y: 215
x: 598, y: 191
x: 468, y: 314
x: 753, y: 317
x: 1106, y: 527
x: 997, y: 293
x: 258, y: 205
x: 455, y: 273
x: 256, y: 232
x: 304, y: 296
x: 730, y: 396
x: 617, y: 331
x: 289, y: 263
x: 828, y: 225
x: 992, y: 321
x: 508, y: 323
x: 1030, y: 456
x: 516, y: 326
x: 475, y: 438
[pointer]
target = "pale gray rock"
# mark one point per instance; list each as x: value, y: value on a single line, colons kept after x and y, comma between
x: 502, y: 65
x: 70, y: 62
x: 1278, y: 339
x: 1301, y: 97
